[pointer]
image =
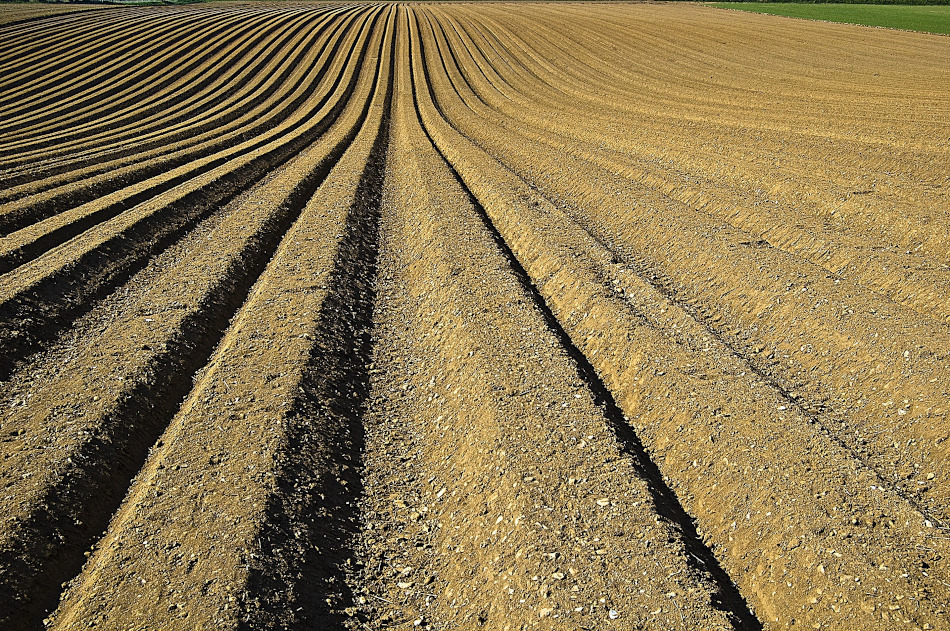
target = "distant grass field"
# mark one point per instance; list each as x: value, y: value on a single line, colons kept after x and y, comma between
x: 929, y: 19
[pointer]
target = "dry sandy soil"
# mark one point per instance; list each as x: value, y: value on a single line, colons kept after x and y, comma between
x: 503, y: 316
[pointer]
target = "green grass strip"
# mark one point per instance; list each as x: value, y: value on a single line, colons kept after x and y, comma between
x: 928, y: 19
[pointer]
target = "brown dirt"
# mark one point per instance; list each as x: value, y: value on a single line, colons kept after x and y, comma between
x: 560, y: 316
x: 15, y: 13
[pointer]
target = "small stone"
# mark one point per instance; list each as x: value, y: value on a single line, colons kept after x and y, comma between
x: 557, y: 575
x: 612, y: 614
x: 404, y: 584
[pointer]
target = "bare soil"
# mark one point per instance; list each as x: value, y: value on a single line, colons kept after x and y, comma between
x: 452, y: 316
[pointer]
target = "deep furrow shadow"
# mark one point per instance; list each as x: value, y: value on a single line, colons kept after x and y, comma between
x: 727, y: 598
x: 48, y: 549
x: 32, y: 320
x: 307, y: 540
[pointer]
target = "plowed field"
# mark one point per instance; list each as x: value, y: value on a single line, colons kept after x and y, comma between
x: 10, y: 13
x: 557, y: 316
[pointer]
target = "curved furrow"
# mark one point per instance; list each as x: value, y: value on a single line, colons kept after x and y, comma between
x: 843, y: 419
x: 202, y: 104
x: 804, y: 494
x: 895, y: 276
x: 468, y: 372
x: 902, y: 222
x: 173, y: 90
x: 783, y: 48
x: 318, y: 287
x: 498, y: 315
x: 123, y: 86
x: 253, y: 102
x: 664, y: 73
x: 40, y: 297
x: 591, y: 79
x: 40, y: 30
x: 822, y: 171
x: 481, y: 56
x: 79, y: 45
x: 82, y: 70
x: 740, y: 309
x: 200, y: 56
x: 616, y: 87
x: 24, y: 16
x: 247, y: 91
x: 32, y: 51
x: 644, y: 84
x: 587, y: 81
x: 162, y: 331
x: 150, y: 170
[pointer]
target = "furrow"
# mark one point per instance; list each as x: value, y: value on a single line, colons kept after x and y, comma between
x: 895, y: 275
x: 134, y: 97
x: 81, y: 117
x: 306, y: 538
x: 152, y: 125
x: 44, y: 26
x: 45, y: 294
x: 814, y: 333
x: 501, y: 315
x: 786, y: 509
x: 824, y: 323
x: 478, y: 425
x: 290, y: 90
x: 284, y: 374
x: 27, y: 15
x: 120, y: 384
x: 103, y: 79
x: 82, y: 33
x: 125, y: 38
x: 884, y: 190
x: 43, y: 33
